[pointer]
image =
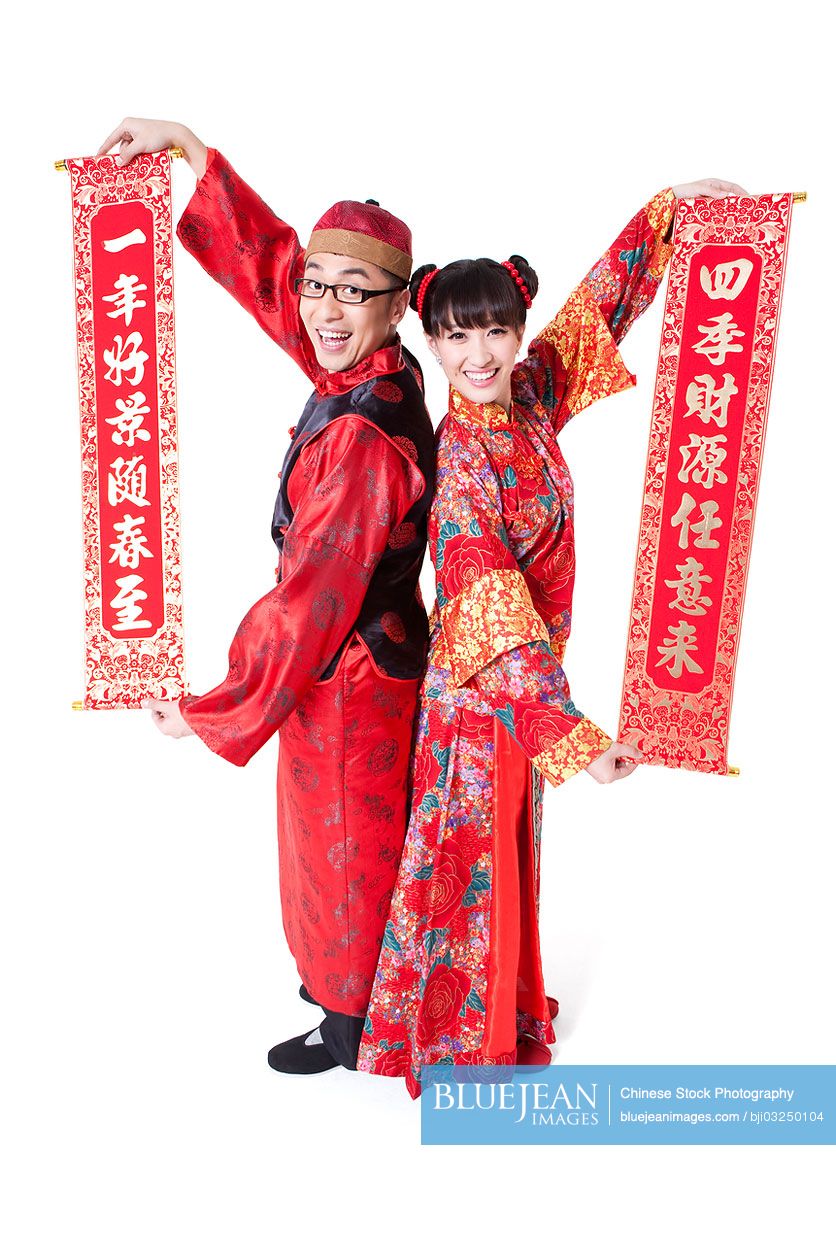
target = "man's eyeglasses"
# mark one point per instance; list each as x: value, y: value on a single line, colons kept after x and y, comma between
x: 346, y: 293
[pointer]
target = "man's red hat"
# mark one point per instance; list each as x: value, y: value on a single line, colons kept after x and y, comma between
x: 365, y: 231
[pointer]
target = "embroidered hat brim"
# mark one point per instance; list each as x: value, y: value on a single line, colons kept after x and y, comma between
x: 365, y: 247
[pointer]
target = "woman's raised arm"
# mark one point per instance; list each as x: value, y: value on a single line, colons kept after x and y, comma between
x: 575, y: 361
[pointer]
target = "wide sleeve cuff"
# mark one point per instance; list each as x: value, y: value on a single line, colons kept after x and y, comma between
x: 573, y: 752
x: 212, y: 156
x: 489, y: 617
x: 188, y: 227
x: 219, y: 730
x: 595, y: 367
x: 661, y: 212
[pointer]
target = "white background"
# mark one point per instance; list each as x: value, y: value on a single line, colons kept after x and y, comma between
x: 685, y: 918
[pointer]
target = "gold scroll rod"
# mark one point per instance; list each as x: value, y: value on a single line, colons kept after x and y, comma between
x: 178, y: 152
x: 797, y: 197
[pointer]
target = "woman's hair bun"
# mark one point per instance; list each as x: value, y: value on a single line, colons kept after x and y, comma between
x: 527, y: 273
x: 415, y: 283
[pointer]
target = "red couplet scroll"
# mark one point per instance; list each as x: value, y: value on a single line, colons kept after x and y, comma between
x: 122, y: 255
x: 706, y: 440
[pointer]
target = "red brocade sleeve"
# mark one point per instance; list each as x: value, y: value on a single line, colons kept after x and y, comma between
x: 495, y: 642
x: 240, y: 242
x: 350, y: 488
x: 574, y: 361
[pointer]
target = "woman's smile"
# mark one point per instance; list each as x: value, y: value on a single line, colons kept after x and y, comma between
x: 478, y: 361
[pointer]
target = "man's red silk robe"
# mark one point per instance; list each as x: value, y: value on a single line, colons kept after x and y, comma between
x: 328, y: 655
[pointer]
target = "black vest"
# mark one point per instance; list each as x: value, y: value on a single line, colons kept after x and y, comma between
x: 392, y: 620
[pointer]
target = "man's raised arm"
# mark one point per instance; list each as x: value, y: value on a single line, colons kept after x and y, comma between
x: 235, y: 236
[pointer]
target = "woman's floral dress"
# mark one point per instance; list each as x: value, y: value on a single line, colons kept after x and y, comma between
x: 460, y: 976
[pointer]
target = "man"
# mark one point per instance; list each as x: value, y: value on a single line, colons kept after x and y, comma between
x: 332, y: 655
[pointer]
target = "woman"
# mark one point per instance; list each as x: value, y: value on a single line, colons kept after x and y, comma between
x: 460, y: 978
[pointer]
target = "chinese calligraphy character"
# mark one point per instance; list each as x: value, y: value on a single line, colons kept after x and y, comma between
x: 126, y: 481
x: 125, y: 299
x: 727, y: 280
x: 677, y: 649
x: 689, y: 588
x: 701, y: 460
x: 127, y: 357
x: 703, y: 528
x: 717, y: 342
x: 126, y: 604
x: 124, y: 241
x: 703, y: 396
x: 130, y: 543
x: 128, y: 423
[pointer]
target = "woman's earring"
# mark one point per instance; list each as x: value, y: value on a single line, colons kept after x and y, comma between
x: 438, y: 359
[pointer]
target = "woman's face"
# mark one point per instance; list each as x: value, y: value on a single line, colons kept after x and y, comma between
x: 478, y: 360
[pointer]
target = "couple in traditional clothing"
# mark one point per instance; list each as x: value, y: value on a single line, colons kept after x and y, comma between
x: 409, y: 864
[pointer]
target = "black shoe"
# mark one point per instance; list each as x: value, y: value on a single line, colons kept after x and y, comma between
x: 306, y: 997
x: 297, y: 1057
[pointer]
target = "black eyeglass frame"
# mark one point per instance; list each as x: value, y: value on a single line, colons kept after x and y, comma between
x: 366, y: 293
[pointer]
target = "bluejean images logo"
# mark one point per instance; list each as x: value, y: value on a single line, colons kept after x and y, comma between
x: 535, y: 1100
x: 612, y: 1105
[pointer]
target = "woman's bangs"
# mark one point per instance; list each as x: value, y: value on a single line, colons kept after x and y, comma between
x: 478, y: 298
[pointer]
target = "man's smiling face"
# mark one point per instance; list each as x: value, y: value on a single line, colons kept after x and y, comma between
x: 343, y: 334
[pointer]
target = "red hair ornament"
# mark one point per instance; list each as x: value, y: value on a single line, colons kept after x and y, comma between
x: 520, y: 282
x: 422, y: 292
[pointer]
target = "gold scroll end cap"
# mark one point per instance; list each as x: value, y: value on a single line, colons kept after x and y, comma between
x: 78, y: 705
x: 798, y: 198
x: 733, y: 771
x: 176, y: 151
